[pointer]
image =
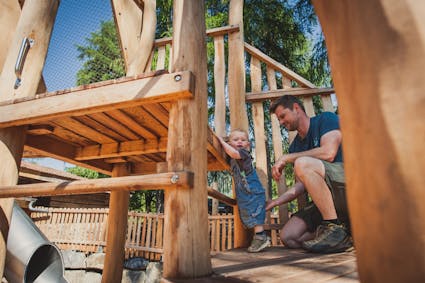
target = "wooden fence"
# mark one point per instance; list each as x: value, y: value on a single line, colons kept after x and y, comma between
x: 86, y: 229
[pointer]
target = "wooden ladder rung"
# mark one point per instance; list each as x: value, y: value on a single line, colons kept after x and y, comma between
x: 160, y: 181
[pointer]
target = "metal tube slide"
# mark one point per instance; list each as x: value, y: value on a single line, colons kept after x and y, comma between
x: 31, y: 257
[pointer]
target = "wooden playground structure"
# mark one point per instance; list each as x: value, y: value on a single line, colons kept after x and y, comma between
x: 166, y: 142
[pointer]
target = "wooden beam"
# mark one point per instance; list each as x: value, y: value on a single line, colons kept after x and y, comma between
x: 121, y: 149
x: 162, y: 181
x: 99, y: 98
x: 274, y: 94
x: 49, y: 147
x: 221, y: 197
x: 377, y: 55
x: 278, y: 66
x: 211, y: 32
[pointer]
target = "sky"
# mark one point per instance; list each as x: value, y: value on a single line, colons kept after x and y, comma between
x: 75, y: 21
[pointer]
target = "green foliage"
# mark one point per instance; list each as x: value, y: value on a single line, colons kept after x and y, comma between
x: 102, y: 55
x: 85, y: 173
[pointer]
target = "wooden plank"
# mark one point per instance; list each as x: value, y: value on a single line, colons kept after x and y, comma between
x: 121, y: 149
x: 159, y: 112
x: 219, y: 87
x: 70, y: 137
x: 114, y: 125
x: 125, y: 119
x: 309, y: 107
x: 146, y: 120
x: 103, y: 98
x: 277, y: 147
x: 259, y: 133
x: 276, y: 65
x: 214, y: 148
x: 211, y: 32
x: 117, y: 225
x: 274, y: 94
x: 76, y: 126
x: 186, y: 245
x: 160, y: 62
x: 221, y: 197
x: 163, y: 181
x: 49, y: 147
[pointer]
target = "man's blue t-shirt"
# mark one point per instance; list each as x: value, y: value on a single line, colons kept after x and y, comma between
x: 319, y: 125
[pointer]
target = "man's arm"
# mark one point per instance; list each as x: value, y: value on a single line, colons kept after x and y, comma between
x: 329, y: 144
x: 291, y: 194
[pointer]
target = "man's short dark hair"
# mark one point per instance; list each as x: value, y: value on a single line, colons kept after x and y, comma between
x: 286, y: 101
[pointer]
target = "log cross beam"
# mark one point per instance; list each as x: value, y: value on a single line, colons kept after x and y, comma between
x: 164, y: 181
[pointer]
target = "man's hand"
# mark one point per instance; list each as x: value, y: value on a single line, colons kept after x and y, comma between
x: 270, y: 204
x: 278, y: 167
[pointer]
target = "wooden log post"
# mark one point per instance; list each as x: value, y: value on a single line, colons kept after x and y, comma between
x: 377, y: 53
x: 186, y: 238
x: 36, y: 21
x: 278, y: 145
x: 237, y: 106
x: 117, y: 227
x: 136, y: 43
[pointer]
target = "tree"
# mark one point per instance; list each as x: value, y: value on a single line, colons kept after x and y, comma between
x: 102, y: 55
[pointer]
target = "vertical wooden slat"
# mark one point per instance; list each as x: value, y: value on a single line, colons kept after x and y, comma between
x: 258, y: 119
x: 327, y: 103
x: 223, y: 233
x: 160, y: 63
x: 277, y: 147
x: 160, y: 235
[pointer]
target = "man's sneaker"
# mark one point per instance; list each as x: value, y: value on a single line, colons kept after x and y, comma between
x: 330, y: 238
x: 259, y: 243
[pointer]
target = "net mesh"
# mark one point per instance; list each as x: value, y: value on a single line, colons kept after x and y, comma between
x: 77, y: 52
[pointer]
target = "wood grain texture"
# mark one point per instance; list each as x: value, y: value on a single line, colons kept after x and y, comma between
x: 377, y: 54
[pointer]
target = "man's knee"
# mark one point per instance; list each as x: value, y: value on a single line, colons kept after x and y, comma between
x: 304, y: 166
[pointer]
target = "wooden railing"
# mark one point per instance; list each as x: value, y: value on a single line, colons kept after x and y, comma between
x: 85, y: 230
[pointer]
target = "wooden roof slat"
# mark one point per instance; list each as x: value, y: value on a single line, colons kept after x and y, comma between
x: 146, y: 120
x: 100, y: 127
x: 77, y: 127
x: 159, y: 112
x: 97, y: 98
x: 114, y: 125
x: 130, y: 123
x: 71, y: 137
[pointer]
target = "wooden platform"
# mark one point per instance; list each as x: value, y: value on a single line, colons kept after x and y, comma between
x: 279, y: 265
x: 100, y: 124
